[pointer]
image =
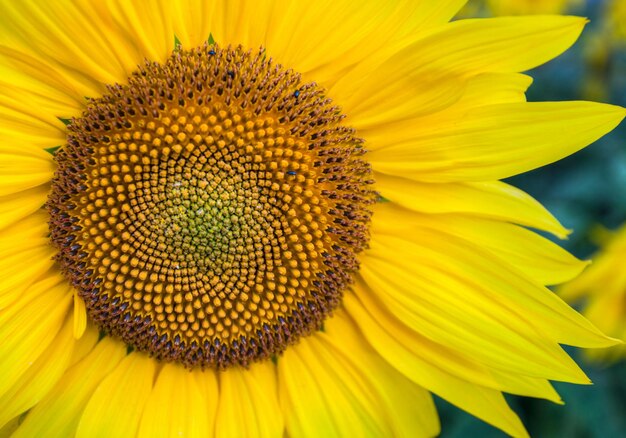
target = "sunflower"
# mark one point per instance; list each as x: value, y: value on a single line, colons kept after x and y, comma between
x: 196, y: 242
x: 602, y: 290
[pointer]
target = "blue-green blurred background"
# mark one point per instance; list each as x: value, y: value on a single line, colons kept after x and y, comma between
x: 582, y: 191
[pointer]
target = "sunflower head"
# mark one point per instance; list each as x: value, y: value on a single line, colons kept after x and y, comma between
x: 210, y: 211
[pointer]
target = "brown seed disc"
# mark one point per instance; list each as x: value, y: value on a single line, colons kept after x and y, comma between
x: 210, y: 211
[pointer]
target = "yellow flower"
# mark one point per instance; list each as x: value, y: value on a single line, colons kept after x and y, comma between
x: 602, y: 290
x: 218, y: 255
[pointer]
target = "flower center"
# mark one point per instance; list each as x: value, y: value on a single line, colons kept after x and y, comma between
x: 210, y: 212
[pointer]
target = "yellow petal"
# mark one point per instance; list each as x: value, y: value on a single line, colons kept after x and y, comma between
x: 19, y: 172
x: 21, y: 133
x: 433, y: 95
x: 206, y: 381
x: 18, y: 205
x: 319, y: 39
x: 535, y: 256
x: 37, y: 76
x: 196, y: 19
x: 407, y: 407
x: 42, y: 29
x: 333, y: 384
x: 516, y: 7
x: 24, y: 106
x: 31, y: 227
x: 425, y: 15
x: 115, y: 406
x: 80, y: 316
x: 492, y: 200
x: 25, y: 256
x: 86, y: 343
x: 491, y: 89
x: 487, y: 281
x: 497, y: 141
x: 112, y: 42
x: 59, y: 412
x: 40, y: 377
x: 21, y: 121
x: 51, y: 283
x: 449, y: 360
x: 322, y: 395
x: 248, y: 403
x: 147, y: 27
x: 450, y: 312
x: 192, y: 21
x: 498, y: 45
x: 176, y: 407
x: 23, y: 89
x: 486, y: 404
x: 390, y: 126
x: 324, y: 37
x: 299, y: 35
x: 411, y: 84
x: 21, y: 265
x: 29, y: 326
x: 437, y: 65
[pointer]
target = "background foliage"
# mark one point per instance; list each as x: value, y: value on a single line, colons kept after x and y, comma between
x: 585, y: 191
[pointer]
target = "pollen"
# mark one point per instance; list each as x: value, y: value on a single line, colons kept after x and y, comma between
x: 211, y: 210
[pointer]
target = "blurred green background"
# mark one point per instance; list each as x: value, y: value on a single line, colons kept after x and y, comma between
x: 583, y: 191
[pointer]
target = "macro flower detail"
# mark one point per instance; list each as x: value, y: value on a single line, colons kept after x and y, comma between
x: 278, y: 218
